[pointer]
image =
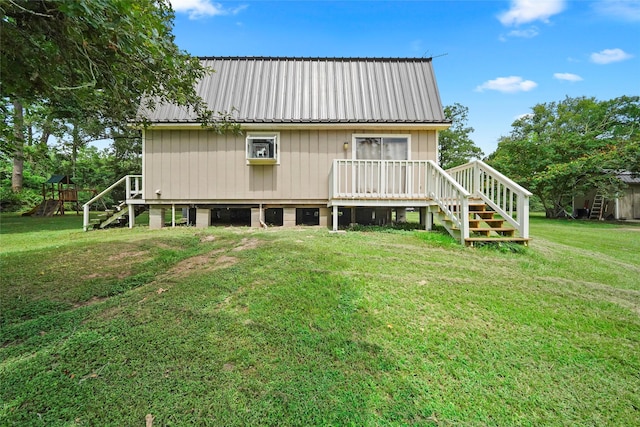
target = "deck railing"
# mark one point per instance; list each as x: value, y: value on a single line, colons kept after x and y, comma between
x: 133, y: 190
x: 504, y: 196
x: 400, y: 179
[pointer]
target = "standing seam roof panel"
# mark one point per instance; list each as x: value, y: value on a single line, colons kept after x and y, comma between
x: 316, y: 90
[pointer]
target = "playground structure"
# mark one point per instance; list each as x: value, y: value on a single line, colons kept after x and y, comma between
x: 56, y: 191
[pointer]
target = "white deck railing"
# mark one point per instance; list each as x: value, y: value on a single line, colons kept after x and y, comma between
x: 400, y: 179
x: 133, y: 190
x: 506, y: 197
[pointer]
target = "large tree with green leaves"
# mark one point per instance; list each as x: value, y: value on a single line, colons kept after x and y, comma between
x: 91, y: 58
x: 455, y: 146
x: 568, y: 147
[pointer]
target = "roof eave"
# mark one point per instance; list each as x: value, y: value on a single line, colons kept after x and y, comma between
x: 309, y: 125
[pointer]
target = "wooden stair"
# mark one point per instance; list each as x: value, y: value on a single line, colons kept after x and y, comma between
x: 118, y: 216
x: 484, y: 227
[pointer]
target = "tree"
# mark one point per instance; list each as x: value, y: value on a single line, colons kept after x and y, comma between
x: 455, y: 146
x: 566, y: 148
x: 94, y: 58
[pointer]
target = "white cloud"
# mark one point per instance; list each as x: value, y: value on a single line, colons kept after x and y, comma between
x: 511, y: 84
x: 527, y: 33
x: 524, y: 11
x: 567, y: 76
x: 626, y: 10
x: 607, y: 56
x: 202, y: 8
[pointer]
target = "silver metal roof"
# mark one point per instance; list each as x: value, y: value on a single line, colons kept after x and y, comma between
x: 629, y: 177
x: 316, y: 90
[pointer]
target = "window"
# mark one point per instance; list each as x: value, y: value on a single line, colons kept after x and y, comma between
x: 263, y: 148
x: 378, y: 147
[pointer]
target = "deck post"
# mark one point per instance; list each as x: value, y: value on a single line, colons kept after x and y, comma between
x: 401, y: 215
x: 85, y: 217
x: 426, y: 219
x: 523, y: 216
x: 464, y: 220
x: 132, y: 215
x: 335, y: 217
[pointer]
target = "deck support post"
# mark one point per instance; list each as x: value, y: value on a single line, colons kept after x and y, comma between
x: 335, y: 218
x: 401, y: 215
x: 132, y: 215
x: 426, y: 219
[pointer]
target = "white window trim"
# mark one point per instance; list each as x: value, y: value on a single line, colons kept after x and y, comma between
x: 263, y: 161
x: 379, y: 135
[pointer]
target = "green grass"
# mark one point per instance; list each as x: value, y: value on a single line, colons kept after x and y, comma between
x: 233, y: 326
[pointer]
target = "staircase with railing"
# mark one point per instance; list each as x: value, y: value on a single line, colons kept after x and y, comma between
x: 126, y: 210
x: 474, y: 202
x: 502, y: 198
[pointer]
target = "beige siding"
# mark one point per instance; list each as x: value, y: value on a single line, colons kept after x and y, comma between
x: 202, y: 166
x: 629, y: 204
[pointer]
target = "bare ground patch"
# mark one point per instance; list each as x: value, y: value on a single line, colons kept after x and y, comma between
x: 246, y: 244
x: 127, y: 255
x: 189, y: 265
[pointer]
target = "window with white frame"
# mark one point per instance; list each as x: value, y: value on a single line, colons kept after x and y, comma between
x: 382, y: 147
x: 263, y: 148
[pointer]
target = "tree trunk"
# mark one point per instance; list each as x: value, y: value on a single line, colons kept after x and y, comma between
x: 18, y: 154
x: 75, y: 142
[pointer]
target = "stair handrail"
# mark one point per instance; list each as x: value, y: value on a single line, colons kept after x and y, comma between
x: 497, y: 191
x: 451, y: 197
x: 86, y: 206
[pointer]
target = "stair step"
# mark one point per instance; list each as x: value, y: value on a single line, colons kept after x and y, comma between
x: 494, y: 223
x: 477, y: 207
x: 520, y: 240
x: 483, y: 231
x: 482, y: 214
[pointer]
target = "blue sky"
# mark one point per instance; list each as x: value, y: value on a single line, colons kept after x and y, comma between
x: 498, y: 58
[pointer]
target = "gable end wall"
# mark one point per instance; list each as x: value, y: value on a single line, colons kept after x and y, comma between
x: 200, y: 166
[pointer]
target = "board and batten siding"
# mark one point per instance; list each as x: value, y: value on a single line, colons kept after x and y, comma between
x: 200, y: 166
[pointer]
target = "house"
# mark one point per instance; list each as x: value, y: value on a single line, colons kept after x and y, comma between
x: 593, y: 205
x: 325, y: 141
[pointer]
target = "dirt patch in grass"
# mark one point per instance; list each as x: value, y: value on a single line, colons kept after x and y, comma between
x: 127, y: 255
x: 247, y: 244
x: 108, y: 275
x: 91, y: 301
x: 225, y: 261
x: 194, y: 263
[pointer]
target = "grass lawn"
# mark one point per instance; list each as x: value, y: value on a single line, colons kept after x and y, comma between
x: 233, y: 326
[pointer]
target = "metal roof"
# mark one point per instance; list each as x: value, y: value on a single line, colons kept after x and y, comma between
x: 315, y: 90
x: 59, y: 179
x: 629, y: 177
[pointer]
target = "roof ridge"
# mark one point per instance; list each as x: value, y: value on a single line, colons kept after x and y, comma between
x: 319, y: 58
